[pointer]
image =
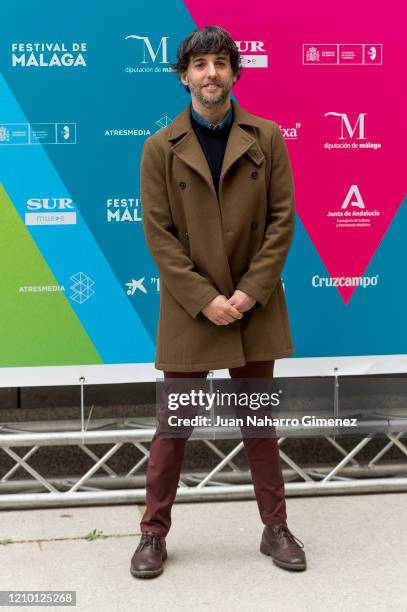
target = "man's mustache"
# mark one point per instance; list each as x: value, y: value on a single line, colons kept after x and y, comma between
x: 218, y: 84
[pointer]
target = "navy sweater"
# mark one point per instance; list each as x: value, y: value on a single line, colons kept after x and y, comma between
x: 213, y: 143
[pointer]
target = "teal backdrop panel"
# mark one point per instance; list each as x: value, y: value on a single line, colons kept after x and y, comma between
x: 81, y: 88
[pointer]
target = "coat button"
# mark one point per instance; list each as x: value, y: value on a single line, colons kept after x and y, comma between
x: 254, y: 225
x: 255, y: 174
x: 182, y: 185
x: 187, y: 235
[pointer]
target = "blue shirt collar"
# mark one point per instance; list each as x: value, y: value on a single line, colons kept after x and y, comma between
x: 211, y: 126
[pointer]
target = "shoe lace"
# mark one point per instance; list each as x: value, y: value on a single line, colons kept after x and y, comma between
x: 284, y: 531
x: 149, y: 538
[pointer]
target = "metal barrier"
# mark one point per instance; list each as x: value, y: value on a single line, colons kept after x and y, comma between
x: 223, y: 482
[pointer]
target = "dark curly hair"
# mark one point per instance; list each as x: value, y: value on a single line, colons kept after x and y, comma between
x: 211, y: 39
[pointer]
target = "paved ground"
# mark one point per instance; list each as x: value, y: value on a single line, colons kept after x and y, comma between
x: 356, y: 551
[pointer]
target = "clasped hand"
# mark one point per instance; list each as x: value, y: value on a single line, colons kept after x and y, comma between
x: 223, y: 311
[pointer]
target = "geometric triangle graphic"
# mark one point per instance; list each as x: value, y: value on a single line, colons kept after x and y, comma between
x: 342, y: 117
x: 38, y: 325
x: 111, y: 323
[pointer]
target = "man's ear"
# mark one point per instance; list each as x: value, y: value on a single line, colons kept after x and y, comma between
x: 184, y: 78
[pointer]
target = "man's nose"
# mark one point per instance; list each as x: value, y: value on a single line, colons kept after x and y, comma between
x: 211, y: 70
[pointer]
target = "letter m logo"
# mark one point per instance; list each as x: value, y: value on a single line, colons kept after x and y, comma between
x: 147, y: 47
x: 346, y: 125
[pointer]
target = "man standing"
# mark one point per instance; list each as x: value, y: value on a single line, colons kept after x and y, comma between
x: 218, y: 210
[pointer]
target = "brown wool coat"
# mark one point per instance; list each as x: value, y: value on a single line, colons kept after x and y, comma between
x: 204, y: 247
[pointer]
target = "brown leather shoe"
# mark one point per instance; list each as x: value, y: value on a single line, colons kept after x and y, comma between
x: 147, y: 561
x: 283, y: 547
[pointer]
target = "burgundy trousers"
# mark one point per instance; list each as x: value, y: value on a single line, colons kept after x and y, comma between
x: 167, y: 454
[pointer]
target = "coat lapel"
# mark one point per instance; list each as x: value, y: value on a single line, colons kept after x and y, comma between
x: 239, y: 143
x: 189, y: 150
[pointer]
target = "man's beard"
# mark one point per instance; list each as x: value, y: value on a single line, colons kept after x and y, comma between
x: 211, y: 101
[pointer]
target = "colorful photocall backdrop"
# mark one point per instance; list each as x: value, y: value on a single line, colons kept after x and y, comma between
x: 81, y: 90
